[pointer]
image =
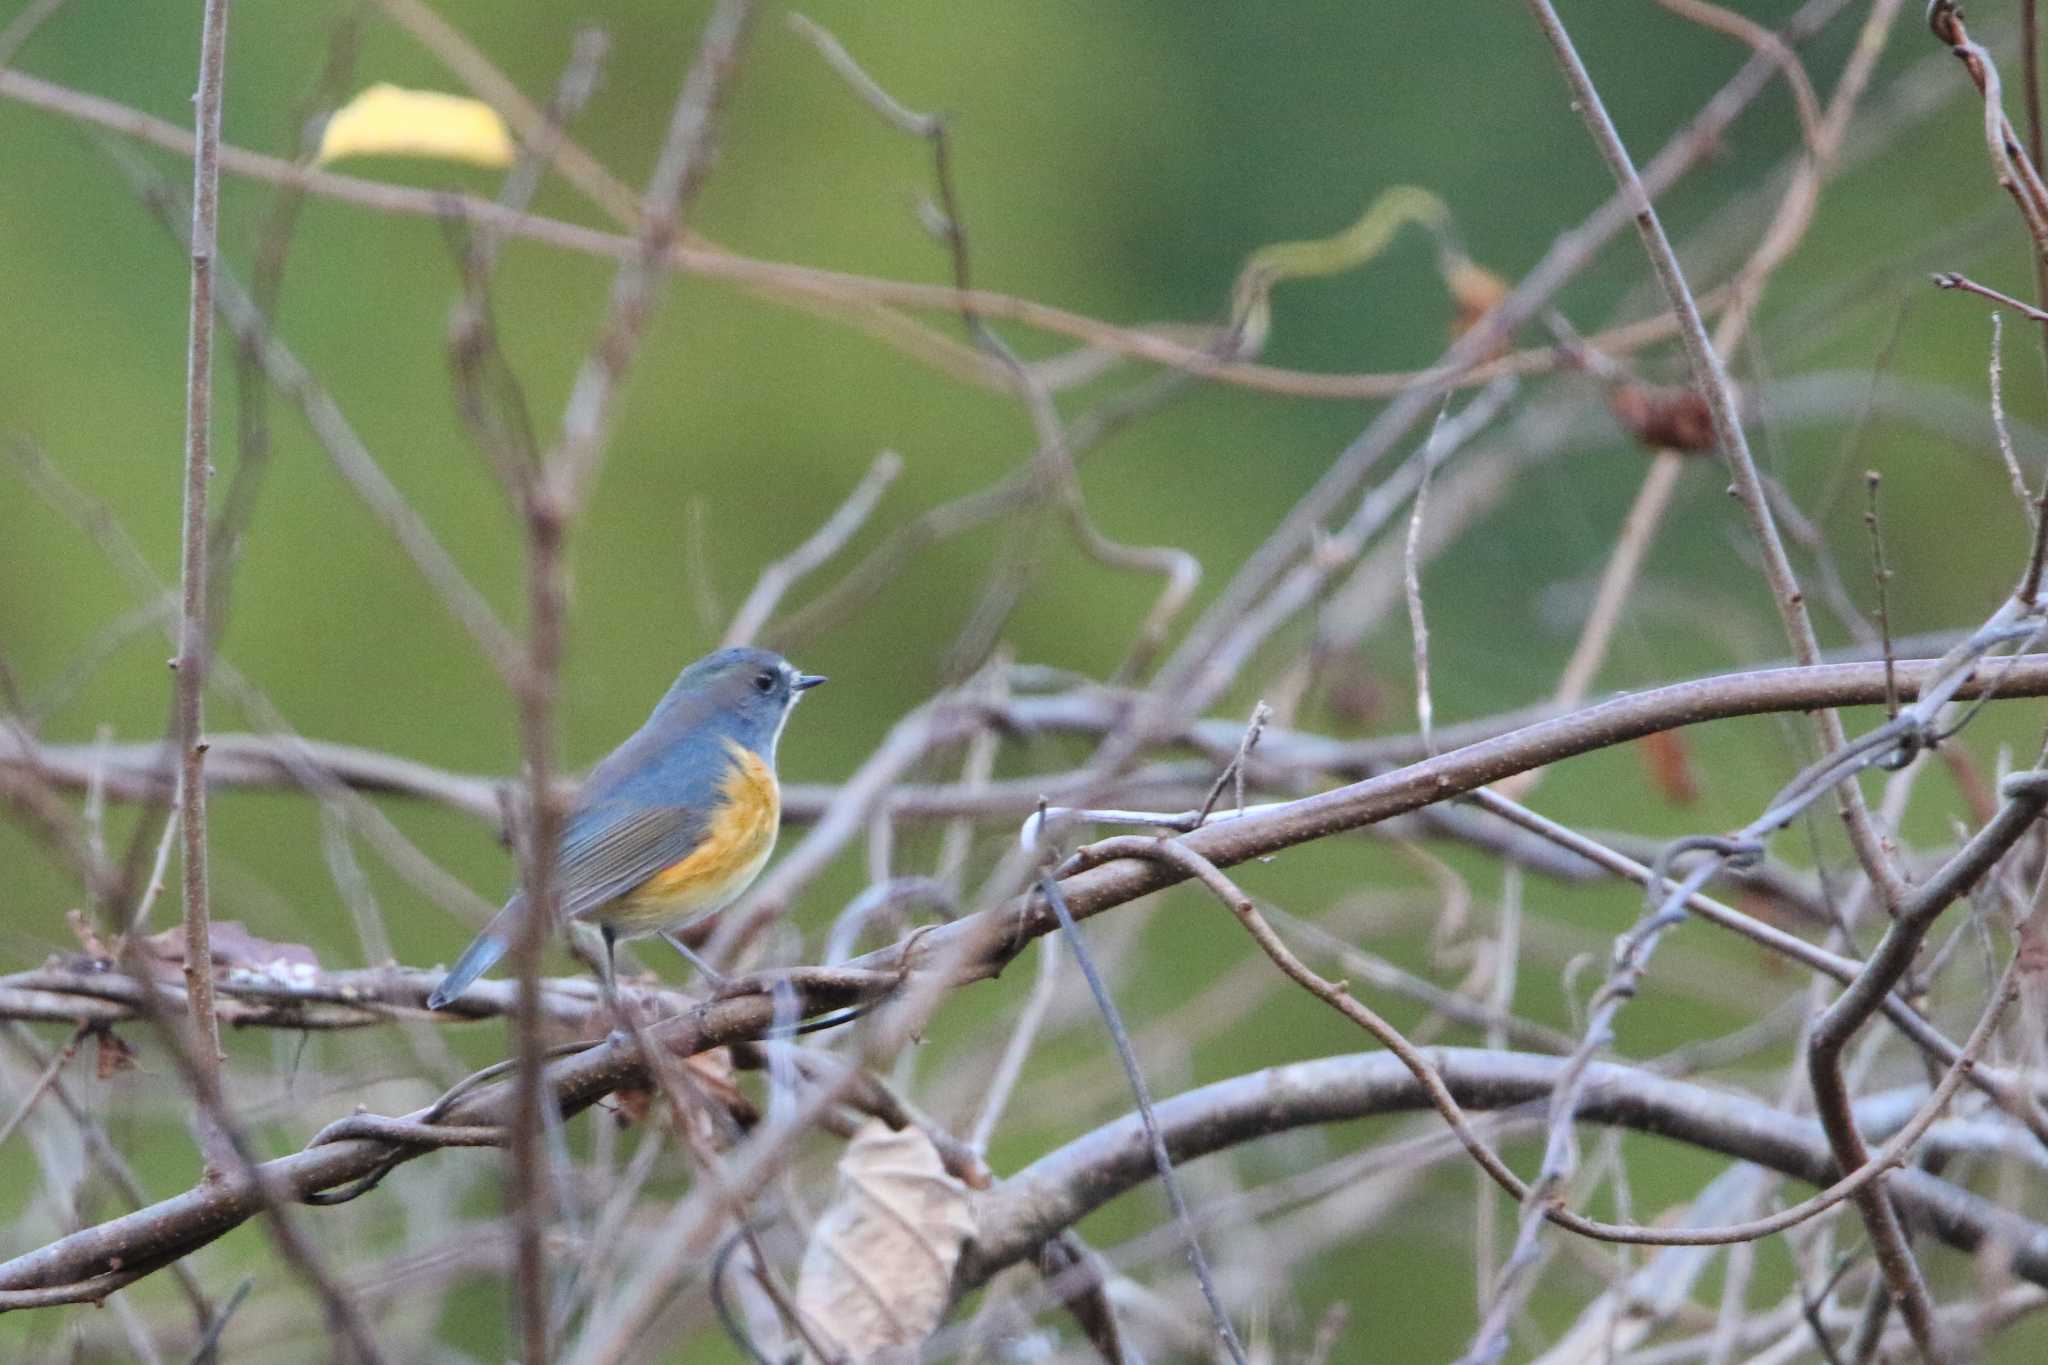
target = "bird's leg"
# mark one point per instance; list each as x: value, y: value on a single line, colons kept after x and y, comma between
x: 607, y: 978
x: 712, y: 976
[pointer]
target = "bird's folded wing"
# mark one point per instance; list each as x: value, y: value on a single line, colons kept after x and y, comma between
x: 610, y: 848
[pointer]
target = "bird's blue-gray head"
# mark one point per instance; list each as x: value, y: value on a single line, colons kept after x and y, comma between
x: 747, y: 692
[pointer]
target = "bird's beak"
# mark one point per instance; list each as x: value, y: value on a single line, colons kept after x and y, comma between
x: 806, y: 681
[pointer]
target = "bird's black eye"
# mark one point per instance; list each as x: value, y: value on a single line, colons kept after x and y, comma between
x: 764, y: 683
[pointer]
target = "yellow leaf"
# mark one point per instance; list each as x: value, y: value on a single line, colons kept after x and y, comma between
x: 386, y: 120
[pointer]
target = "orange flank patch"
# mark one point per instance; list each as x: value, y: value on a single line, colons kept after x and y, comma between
x: 737, y: 841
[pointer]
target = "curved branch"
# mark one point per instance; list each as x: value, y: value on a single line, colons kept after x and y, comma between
x: 1269, y: 830
x: 1021, y: 1213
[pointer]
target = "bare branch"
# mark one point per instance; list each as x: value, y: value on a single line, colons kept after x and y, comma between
x: 193, y: 637
x: 1949, y: 279
x: 1061, y: 1187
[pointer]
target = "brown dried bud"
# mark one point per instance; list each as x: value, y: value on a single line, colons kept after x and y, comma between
x: 1945, y: 18
x: 631, y: 1106
x: 1667, y: 758
x: 1664, y: 418
x: 1476, y: 291
x: 114, y: 1054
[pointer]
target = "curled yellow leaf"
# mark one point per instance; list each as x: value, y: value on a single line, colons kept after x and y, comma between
x: 388, y: 120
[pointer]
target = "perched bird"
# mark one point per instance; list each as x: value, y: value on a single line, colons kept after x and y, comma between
x: 676, y: 823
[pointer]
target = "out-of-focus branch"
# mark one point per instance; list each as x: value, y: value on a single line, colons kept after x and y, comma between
x: 861, y: 301
x: 550, y: 494
x: 1192, y: 672
x: 352, y: 458
x: 134, y: 772
x: 534, y: 125
x: 298, y: 998
x: 779, y: 577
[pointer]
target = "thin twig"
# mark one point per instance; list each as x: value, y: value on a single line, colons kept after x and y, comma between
x: 2030, y: 77
x: 190, y: 665
x: 534, y: 126
x: 1882, y: 576
x: 1233, y: 771
x: 1949, y: 279
x: 23, y: 26
x: 1162, y: 1163
x: 1619, y: 577
x: 1017, y: 1049
x: 43, y: 1082
x: 856, y: 299
x: 679, y: 172
x: 1766, y: 44
x: 1411, y: 580
x: 352, y: 458
x: 1996, y: 374
x: 2017, y: 172
x: 2026, y: 795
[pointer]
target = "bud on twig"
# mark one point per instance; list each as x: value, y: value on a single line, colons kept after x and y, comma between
x: 1664, y: 418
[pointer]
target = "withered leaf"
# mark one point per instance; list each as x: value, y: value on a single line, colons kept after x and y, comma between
x: 1664, y: 418
x: 879, y: 1268
x: 114, y: 1054
x: 1668, y: 758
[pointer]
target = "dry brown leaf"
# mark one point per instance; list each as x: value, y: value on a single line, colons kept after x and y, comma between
x: 878, y: 1272
x: 1664, y: 418
x: 713, y: 1077
x: 1476, y: 291
x: 1668, y: 759
x: 631, y: 1105
x: 114, y: 1054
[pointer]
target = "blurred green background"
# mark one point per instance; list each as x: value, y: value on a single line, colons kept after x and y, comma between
x: 1116, y: 159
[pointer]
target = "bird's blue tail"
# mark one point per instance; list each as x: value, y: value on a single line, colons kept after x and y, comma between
x: 476, y: 959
